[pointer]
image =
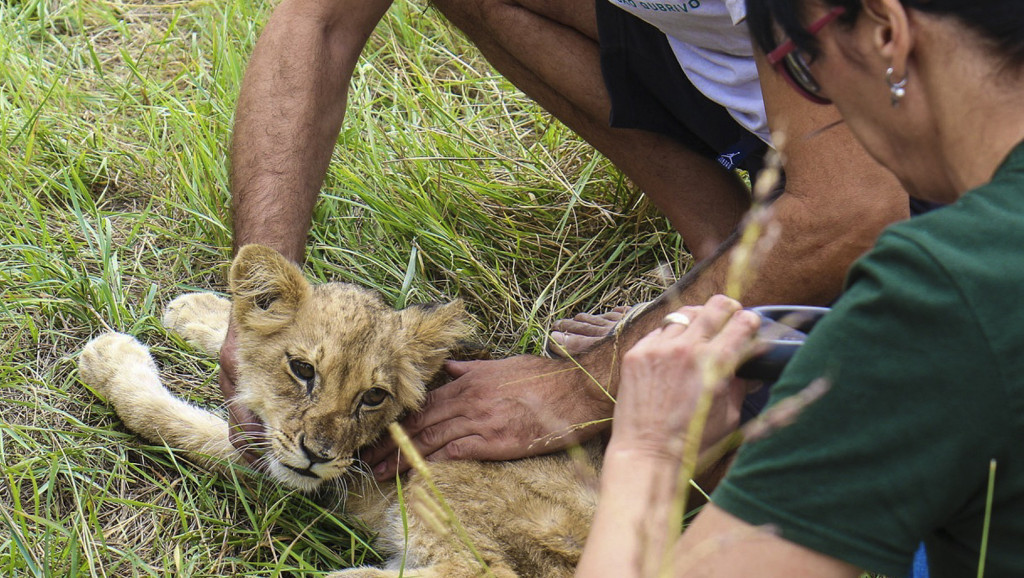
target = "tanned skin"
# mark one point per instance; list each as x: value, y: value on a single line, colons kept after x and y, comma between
x: 290, y: 112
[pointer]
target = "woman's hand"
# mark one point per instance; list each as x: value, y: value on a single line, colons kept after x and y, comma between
x: 664, y: 375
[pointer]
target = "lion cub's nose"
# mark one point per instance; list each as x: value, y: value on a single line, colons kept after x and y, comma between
x: 313, y: 456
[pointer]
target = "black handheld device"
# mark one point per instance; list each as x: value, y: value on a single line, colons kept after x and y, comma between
x: 783, y: 330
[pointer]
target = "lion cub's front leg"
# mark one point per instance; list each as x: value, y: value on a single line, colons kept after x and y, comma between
x: 121, y: 369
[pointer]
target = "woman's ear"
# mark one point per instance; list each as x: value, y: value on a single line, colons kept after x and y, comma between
x: 266, y: 289
x: 891, y: 33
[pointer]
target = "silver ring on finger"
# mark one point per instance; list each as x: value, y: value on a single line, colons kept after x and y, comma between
x: 676, y: 318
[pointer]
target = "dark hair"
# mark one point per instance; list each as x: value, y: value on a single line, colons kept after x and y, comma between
x: 1001, y: 22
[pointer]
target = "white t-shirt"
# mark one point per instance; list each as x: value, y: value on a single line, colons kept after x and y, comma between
x: 713, y: 47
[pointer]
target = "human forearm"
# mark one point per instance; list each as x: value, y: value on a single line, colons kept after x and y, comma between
x: 675, y: 400
x: 289, y: 113
x: 631, y: 527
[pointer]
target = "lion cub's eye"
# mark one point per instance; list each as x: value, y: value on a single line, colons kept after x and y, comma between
x: 374, y: 397
x: 304, y: 371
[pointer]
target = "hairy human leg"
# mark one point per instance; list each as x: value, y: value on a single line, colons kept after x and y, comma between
x: 549, y: 49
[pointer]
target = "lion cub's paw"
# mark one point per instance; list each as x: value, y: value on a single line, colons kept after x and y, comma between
x: 107, y: 362
x: 366, y: 572
x: 199, y: 318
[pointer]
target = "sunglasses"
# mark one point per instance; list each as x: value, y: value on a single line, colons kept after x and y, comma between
x: 791, y: 64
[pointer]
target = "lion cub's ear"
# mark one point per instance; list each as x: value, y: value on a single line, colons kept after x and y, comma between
x: 429, y: 333
x: 266, y: 289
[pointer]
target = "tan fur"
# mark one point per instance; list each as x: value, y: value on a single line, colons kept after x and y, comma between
x: 522, y: 518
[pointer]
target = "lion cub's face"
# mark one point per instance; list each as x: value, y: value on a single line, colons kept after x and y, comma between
x: 328, y: 367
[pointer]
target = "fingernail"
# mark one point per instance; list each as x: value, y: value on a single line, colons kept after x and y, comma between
x: 557, y: 336
x: 380, y: 468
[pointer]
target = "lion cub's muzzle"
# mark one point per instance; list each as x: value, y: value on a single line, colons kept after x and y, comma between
x: 329, y: 466
x: 299, y: 466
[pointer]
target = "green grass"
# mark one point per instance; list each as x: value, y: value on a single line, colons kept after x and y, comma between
x: 114, y: 124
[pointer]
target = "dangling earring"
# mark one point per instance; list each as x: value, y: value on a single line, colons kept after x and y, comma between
x: 897, y: 90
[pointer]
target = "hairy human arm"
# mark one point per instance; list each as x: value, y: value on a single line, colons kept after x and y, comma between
x: 287, y: 120
x: 289, y: 114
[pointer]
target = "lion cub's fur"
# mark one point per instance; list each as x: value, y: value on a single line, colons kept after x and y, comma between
x: 524, y: 518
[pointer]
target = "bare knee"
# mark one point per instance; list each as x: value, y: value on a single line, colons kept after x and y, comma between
x: 470, y: 15
x: 470, y: 12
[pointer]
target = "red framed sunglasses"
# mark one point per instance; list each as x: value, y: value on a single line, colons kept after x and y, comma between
x: 791, y: 64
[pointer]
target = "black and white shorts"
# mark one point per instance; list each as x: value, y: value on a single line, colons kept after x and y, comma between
x: 650, y: 91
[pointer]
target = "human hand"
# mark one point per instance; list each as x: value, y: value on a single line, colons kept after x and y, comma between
x: 244, y: 428
x: 499, y: 410
x: 665, y: 374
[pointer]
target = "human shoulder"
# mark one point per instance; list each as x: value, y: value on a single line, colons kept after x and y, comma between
x: 974, y: 242
x: 925, y: 336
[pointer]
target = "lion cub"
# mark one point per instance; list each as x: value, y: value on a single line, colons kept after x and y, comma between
x: 327, y: 368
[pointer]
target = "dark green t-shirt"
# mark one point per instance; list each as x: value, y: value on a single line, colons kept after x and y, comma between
x: 925, y: 355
